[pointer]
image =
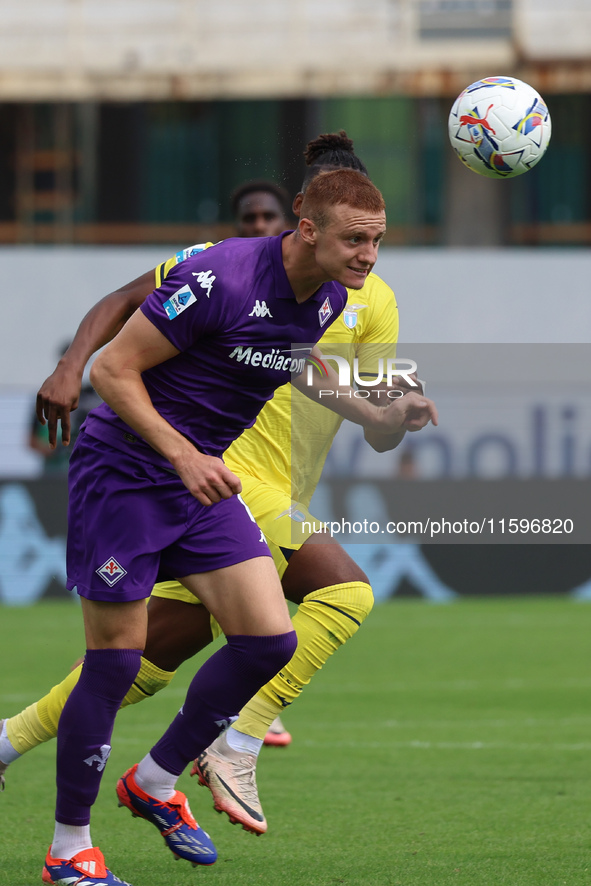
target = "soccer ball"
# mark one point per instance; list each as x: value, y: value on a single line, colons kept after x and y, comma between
x: 499, y: 127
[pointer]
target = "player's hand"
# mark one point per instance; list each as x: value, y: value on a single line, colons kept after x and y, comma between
x: 400, y: 383
x: 208, y: 479
x: 408, y: 413
x: 57, y: 397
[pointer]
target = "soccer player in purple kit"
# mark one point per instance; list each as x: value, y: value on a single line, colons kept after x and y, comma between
x: 148, y: 488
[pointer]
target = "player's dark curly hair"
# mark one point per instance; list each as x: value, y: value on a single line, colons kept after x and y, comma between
x: 332, y: 150
x: 257, y: 185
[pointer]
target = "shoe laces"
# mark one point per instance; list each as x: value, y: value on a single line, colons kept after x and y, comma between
x: 181, y: 807
x: 247, y: 777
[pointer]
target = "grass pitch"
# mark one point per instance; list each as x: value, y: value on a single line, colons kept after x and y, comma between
x: 443, y: 745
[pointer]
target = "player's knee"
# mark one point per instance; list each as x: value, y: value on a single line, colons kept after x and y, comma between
x: 108, y: 673
x: 351, y: 596
x: 347, y: 604
x: 263, y: 657
x: 281, y: 649
x: 288, y: 646
x: 365, y: 599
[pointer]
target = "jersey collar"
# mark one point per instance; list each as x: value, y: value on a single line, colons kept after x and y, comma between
x: 282, y: 285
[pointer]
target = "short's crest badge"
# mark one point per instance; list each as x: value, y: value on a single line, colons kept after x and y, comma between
x: 111, y: 571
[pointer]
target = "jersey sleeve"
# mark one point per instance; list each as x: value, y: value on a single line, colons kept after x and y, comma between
x: 191, y: 302
x: 165, y: 267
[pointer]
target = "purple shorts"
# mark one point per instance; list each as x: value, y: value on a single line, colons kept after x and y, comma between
x: 128, y: 519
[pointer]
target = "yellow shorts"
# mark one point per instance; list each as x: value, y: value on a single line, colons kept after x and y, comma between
x: 282, y: 521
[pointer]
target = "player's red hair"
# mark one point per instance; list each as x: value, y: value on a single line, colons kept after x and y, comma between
x: 338, y: 187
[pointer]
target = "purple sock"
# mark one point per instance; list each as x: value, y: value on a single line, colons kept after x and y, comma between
x: 218, y: 692
x: 85, y: 727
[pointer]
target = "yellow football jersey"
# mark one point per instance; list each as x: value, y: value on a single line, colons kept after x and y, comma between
x: 288, y: 444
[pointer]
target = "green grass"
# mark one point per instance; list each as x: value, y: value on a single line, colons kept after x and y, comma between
x: 444, y: 745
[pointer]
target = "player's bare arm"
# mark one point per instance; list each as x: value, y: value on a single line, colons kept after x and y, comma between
x: 117, y: 377
x: 385, y: 442
x: 59, y: 393
x: 394, y: 419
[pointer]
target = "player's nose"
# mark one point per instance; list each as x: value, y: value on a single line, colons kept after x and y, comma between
x: 261, y: 227
x: 368, y: 253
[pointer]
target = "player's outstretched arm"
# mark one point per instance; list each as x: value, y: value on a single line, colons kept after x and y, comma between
x: 117, y: 377
x: 386, y: 421
x: 411, y: 412
x: 59, y: 393
x: 385, y: 442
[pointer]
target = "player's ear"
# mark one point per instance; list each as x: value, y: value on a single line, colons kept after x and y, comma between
x: 296, y: 206
x: 308, y: 231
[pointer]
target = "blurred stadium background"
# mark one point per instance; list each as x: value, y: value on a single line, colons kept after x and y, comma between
x: 124, y: 126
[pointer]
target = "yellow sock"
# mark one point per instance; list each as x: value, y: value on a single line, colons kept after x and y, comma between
x: 149, y: 681
x: 38, y: 722
x: 26, y: 731
x: 325, y: 620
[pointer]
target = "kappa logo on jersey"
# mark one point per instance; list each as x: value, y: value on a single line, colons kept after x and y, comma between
x: 179, y: 302
x: 325, y: 311
x: 260, y: 310
x: 350, y: 315
x: 111, y: 571
x: 100, y: 760
x: 205, y: 280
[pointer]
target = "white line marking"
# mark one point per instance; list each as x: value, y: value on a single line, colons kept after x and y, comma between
x: 418, y: 744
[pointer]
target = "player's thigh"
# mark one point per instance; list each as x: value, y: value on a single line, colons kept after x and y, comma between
x: 177, y: 630
x: 245, y: 598
x: 319, y: 563
x: 114, y: 625
x: 201, y: 622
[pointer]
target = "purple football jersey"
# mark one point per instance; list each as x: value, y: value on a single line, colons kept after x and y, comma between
x: 232, y: 314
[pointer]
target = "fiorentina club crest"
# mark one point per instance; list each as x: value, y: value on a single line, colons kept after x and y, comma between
x: 325, y: 311
x: 111, y: 571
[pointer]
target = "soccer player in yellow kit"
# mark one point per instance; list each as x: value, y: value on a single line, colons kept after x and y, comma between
x: 260, y: 208
x: 279, y: 461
